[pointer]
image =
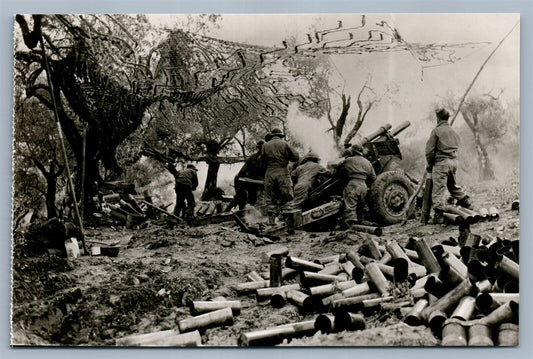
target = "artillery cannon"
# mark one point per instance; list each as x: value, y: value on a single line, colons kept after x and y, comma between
x: 388, y: 196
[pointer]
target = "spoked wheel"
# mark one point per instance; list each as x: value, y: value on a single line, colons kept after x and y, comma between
x: 388, y: 197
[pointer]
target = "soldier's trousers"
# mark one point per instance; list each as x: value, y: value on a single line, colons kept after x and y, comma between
x: 354, y: 196
x: 443, y: 175
x: 184, y: 194
x: 278, y: 190
x: 243, y: 194
x: 301, y: 193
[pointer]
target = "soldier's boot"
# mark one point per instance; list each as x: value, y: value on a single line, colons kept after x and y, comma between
x: 351, y: 222
x: 189, y: 213
x: 438, y: 218
x: 465, y: 202
x: 271, y: 219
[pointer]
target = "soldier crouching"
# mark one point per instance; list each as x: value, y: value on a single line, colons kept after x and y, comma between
x: 360, y: 175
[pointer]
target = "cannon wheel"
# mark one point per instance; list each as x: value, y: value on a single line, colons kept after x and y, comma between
x: 388, y: 197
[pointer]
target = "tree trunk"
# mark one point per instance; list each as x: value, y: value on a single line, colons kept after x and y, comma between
x: 485, y: 165
x: 339, y: 127
x: 51, y: 186
x: 211, y: 181
x: 485, y: 171
x: 50, y: 197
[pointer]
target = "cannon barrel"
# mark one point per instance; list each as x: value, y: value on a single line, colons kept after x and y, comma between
x: 396, y: 130
x: 380, y: 131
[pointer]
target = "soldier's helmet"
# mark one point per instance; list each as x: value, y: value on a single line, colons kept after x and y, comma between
x: 192, y: 167
x: 276, y: 132
x: 357, y: 149
x: 442, y: 114
x: 311, y: 156
x: 347, y: 152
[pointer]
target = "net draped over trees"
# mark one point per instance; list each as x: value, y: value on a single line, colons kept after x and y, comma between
x: 185, y: 96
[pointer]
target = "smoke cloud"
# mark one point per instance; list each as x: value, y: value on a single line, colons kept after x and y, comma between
x: 312, y: 134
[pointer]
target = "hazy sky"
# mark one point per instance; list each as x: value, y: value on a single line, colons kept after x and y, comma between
x: 417, y: 94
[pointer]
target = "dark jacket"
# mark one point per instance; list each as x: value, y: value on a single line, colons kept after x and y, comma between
x: 443, y: 143
x: 187, y: 177
x: 253, y: 168
x: 358, y: 167
x: 277, y: 153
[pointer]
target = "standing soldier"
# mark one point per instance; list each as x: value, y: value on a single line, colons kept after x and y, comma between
x: 304, y: 177
x: 276, y: 155
x: 360, y: 175
x: 441, y: 156
x: 186, y: 182
x: 253, y: 168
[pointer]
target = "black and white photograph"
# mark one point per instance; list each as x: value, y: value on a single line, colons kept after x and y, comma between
x: 261, y: 180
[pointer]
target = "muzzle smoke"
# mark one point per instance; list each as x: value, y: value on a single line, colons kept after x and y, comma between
x: 312, y: 134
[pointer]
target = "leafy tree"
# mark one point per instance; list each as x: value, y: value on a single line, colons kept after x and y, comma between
x: 105, y: 75
x: 102, y: 69
x: 486, y: 117
x: 207, y: 131
x: 39, y: 165
x: 488, y: 120
x: 108, y: 71
x: 98, y: 80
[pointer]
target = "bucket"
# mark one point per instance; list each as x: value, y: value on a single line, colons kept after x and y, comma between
x: 72, y: 247
x: 110, y: 251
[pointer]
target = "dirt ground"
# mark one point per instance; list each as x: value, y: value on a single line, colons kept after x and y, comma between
x: 93, y: 301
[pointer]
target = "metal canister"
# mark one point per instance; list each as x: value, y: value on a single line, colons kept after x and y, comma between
x: 508, y: 335
x: 376, y: 276
x: 325, y: 323
x: 436, y: 322
x: 453, y: 334
x: 480, y: 335
x: 349, y: 321
x: 275, y: 270
x: 413, y: 318
x: 465, y: 308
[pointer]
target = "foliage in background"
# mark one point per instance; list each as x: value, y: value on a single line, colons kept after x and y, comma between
x: 498, y: 131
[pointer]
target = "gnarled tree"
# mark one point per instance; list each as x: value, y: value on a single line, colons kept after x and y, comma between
x: 106, y: 71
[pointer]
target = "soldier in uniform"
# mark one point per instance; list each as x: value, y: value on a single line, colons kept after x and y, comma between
x: 253, y: 168
x: 441, y: 156
x: 276, y: 155
x: 361, y: 175
x: 186, y: 183
x: 305, y: 176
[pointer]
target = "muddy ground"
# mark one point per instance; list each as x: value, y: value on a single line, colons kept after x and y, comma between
x: 93, y: 301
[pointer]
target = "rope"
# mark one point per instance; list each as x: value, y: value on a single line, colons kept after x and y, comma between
x: 478, y: 72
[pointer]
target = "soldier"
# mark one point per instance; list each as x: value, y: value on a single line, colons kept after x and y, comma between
x: 253, y: 168
x: 186, y: 183
x: 347, y: 151
x: 360, y: 175
x: 305, y: 177
x: 441, y: 156
x: 276, y: 155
